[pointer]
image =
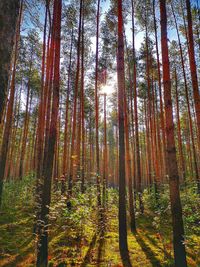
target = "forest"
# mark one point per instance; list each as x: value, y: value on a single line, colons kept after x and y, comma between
x: 100, y: 133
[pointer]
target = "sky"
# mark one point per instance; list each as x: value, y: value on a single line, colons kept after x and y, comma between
x: 139, y: 37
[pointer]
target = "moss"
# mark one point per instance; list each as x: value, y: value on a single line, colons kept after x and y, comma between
x: 78, y: 244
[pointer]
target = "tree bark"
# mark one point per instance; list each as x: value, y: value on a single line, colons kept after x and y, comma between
x: 176, y: 208
x: 9, y: 114
x: 9, y: 11
x: 42, y: 253
x: 193, y: 70
x: 123, y: 245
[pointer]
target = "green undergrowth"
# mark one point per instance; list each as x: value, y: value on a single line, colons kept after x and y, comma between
x: 73, y: 233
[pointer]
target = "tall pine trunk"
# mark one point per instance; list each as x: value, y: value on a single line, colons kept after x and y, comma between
x: 176, y: 209
x: 97, y: 114
x: 9, y: 114
x: 71, y: 171
x: 8, y: 20
x: 193, y: 70
x: 42, y: 253
x: 64, y: 167
x: 123, y: 245
x: 137, y: 142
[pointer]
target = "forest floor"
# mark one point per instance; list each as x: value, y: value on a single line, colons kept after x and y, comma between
x: 74, y: 237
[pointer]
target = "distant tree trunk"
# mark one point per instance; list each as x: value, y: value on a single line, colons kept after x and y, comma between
x: 71, y: 171
x: 39, y: 144
x: 26, y: 124
x: 9, y: 11
x: 128, y: 168
x: 78, y: 143
x: 149, y: 101
x: 187, y: 98
x: 148, y: 149
x: 123, y: 245
x: 117, y: 159
x: 11, y: 157
x: 42, y: 253
x: 128, y: 100
x: 137, y: 142
x: 155, y: 146
x: 130, y: 174
x: 176, y: 209
x: 193, y: 70
x: 30, y: 144
x: 160, y: 92
x: 64, y: 167
x: 160, y: 151
x: 9, y: 114
x: 97, y: 113
x: 180, y: 143
x: 41, y: 116
x: 47, y: 84
x: 82, y: 96
x: 105, y: 157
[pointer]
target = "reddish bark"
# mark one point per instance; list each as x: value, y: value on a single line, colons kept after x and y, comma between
x: 97, y: 110
x: 71, y: 171
x: 42, y: 253
x: 9, y: 114
x: 82, y: 96
x: 137, y: 142
x: 9, y: 12
x: 193, y: 70
x: 123, y: 245
x: 176, y: 209
x: 180, y: 143
x: 160, y: 91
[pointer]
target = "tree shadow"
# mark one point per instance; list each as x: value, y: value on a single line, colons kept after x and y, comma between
x: 86, y: 259
x: 126, y: 259
x: 148, y: 251
x: 167, y: 254
x: 25, y: 250
x: 100, y: 250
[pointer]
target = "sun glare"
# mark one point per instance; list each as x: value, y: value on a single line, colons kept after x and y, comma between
x: 110, y: 87
x: 106, y: 89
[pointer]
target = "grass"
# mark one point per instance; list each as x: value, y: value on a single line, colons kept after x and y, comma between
x: 73, y: 238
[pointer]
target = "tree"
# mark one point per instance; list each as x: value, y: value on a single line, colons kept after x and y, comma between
x: 139, y: 178
x: 9, y: 11
x: 73, y: 155
x: 97, y: 115
x: 9, y: 114
x: 176, y: 209
x: 42, y: 254
x: 193, y: 71
x: 123, y: 245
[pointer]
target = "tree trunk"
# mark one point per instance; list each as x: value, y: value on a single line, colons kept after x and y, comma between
x: 176, y: 209
x: 26, y: 125
x: 193, y: 70
x: 160, y: 92
x: 9, y: 11
x: 9, y: 114
x: 82, y: 170
x: 187, y: 99
x: 137, y: 142
x: 42, y: 253
x: 123, y: 245
x: 97, y: 115
x: 64, y: 167
x: 180, y: 143
x: 71, y: 171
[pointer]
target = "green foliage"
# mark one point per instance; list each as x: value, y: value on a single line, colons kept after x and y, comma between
x: 191, y: 210
x: 73, y: 228
x: 73, y: 213
x: 20, y: 192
